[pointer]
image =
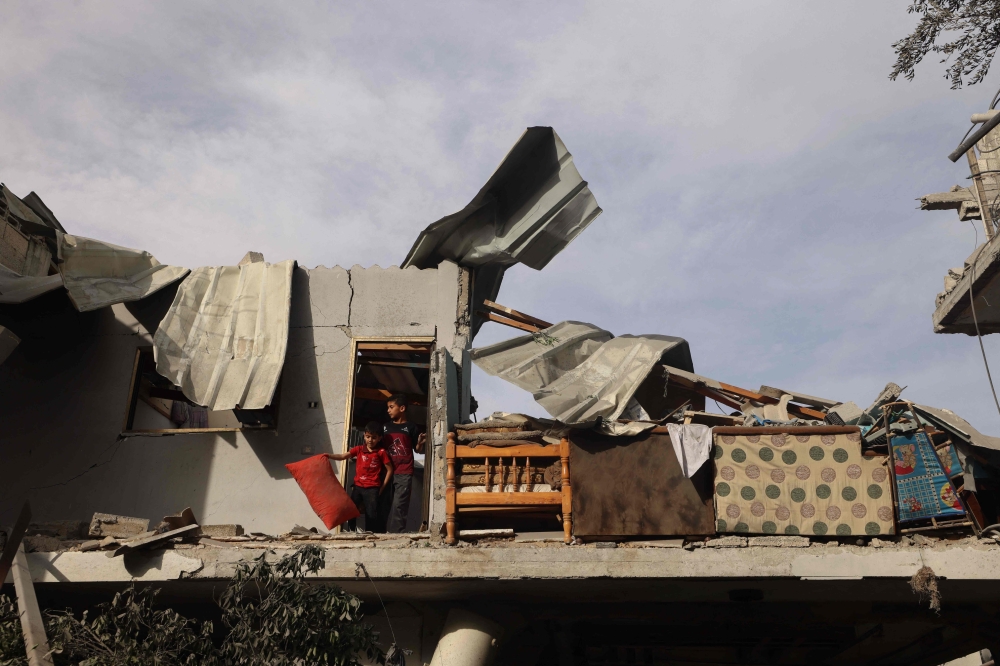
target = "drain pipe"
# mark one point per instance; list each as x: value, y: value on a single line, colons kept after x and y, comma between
x: 467, y: 639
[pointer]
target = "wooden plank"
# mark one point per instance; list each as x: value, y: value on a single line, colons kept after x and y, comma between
x: 788, y: 430
x: 483, y: 451
x: 514, y: 314
x: 392, y: 363
x: 32, y: 625
x: 395, y: 346
x: 490, y: 316
x: 383, y: 395
x: 707, y: 392
x: 767, y: 400
x: 187, y: 431
x: 513, y: 499
x: 730, y: 401
x: 155, y: 540
x: 801, y: 398
x: 13, y: 539
x: 547, y: 510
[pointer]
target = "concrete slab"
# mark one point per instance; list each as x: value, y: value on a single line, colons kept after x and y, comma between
x: 967, y: 563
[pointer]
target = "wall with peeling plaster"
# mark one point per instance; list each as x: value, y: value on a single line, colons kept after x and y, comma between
x: 63, y: 396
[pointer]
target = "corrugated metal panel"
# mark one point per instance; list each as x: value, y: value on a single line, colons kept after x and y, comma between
x: 223, y: 340
x: 98, y: 274
x: 532, y: 207
x: 17, y: 289
x: 578, y: 372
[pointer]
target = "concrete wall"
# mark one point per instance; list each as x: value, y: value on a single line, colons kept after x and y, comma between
x: 63, y: 395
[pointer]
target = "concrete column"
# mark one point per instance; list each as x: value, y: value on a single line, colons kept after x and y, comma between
x: 467, y: 639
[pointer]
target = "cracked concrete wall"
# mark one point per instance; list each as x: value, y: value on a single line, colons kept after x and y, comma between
x: 63, y: 396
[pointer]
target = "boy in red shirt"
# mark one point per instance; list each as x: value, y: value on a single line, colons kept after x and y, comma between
x: 371, y: 460
x: 401, y: 438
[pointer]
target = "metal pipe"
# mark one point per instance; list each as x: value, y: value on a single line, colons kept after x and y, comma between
x: 976, y: 136
x: 983, y: 117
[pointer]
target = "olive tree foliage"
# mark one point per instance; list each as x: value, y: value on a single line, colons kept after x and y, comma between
x: 968, y: 32
x: 11, y: 640
x: 273, y: 616
x: 270, y: 615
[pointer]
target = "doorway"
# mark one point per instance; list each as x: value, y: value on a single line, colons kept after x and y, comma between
x: 381, y: 368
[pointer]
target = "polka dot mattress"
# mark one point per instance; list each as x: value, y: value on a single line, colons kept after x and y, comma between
x: 816, y: 484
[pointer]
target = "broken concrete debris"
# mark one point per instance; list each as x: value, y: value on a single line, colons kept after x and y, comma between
x: 120, y: 527
x: 215, y: 531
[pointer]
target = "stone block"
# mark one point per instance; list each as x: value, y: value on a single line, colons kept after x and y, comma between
x: 659, y: 543
x: 120, y: 527
x: 213, y: 531
x: 727, y: 542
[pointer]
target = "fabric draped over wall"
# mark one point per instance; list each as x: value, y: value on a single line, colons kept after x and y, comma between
x: 224, y: 338
x: 98, y: 274
x: 578, y: 372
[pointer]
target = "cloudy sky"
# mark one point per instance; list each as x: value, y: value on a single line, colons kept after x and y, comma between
x: 756, y: 167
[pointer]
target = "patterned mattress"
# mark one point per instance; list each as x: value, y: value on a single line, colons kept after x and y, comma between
x: 808, y: 481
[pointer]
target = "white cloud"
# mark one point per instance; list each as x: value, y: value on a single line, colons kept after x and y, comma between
x: 756, y: 167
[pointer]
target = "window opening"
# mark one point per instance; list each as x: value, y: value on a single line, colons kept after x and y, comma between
x: 157, y: 406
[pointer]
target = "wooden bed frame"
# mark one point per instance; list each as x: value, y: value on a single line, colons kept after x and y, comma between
x: 512, y: 502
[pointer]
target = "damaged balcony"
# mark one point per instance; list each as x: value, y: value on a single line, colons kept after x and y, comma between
x: 965, y: 305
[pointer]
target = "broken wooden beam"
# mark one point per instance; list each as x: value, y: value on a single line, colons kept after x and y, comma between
x: 13, y: 539
x: 383, y: 395
x: 801, y: 398
x: 734, y: 396
x: 36, y: 644
x: 154, y: 540
x: 511, y: 313
x: 492, y: 316
x: 392, y: 363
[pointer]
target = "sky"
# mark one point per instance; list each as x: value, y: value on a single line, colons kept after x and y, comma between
x: 757, y: 169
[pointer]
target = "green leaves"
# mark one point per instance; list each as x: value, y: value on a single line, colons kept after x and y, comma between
x: 974, y: 28
x: 272, y: 615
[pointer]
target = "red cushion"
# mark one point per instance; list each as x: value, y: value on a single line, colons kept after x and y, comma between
x: 325, y: 494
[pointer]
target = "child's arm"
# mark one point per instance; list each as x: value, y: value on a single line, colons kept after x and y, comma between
x: 388, y: 476
x: 339, y: 456
x: 421, y: 439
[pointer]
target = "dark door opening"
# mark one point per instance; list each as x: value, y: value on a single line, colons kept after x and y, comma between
x: 383, y: 368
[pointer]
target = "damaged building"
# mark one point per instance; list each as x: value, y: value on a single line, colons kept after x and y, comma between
x: 154, y: 417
